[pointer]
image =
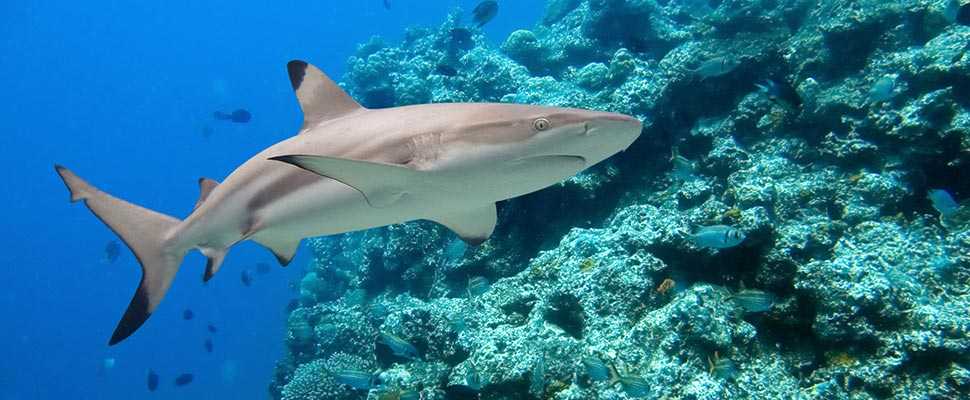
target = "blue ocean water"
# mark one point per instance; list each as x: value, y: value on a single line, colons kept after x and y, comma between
x: 123, y: 93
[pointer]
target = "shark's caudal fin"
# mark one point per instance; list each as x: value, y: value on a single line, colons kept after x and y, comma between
x: 145, y: 232
x: 320, y: 97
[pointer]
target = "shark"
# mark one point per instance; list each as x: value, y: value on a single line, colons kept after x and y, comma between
x: 351, y: 168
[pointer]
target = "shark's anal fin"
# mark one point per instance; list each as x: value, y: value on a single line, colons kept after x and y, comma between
x: 381, y: 184
x: 320, y: 97
x: 474, y: 226
x: 206, y: 186
x: 283, y: 248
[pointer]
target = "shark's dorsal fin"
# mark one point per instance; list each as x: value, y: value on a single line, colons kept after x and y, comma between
x: 381, y: 184
x: 474, y: 226
x: 320, y: 97
x: 206, y: 186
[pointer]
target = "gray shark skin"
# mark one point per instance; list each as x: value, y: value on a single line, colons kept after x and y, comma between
x: 352, y: 168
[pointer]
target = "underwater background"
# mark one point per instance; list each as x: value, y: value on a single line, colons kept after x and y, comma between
x: 792, y: 222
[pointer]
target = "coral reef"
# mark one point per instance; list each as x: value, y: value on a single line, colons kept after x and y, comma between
x: 864, y: 107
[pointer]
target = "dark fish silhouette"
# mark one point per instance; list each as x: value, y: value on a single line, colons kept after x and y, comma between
x: 184, y: 379
x: 462, y: 38
x: 262, y: 268
x: 446, y: 70
x: 484, y: 12
x: 152, y: 381
x: 241, y: 116
x: 207, y: 131
x: 188, y: 314
x: 112, y: 251
x: 246, y: 277
x: 212, y: 328
x: 208, y: 345
x: 387, y: 4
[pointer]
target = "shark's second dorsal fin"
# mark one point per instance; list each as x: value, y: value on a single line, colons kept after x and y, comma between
x: 320, y: 97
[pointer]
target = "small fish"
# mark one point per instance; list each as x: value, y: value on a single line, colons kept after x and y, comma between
x: 207, y: 131
x: 152, y: 381
x: 683, y: 169
x: 472, y: 379
x: 359, y: 380
x: 240, y: 116
x: 462, y: 38
x: 634, y: 386
x: 753, y: 300
x: 596, y: 369
x: 782, y: 94
x: 484, y: 12
x: 246, y: 278
x: 717, y: 237
x: 715, y: 67
x: 112, y: 251
x: 445, y: 70
x: 666, y: 285
x: 399, y: 347
x: 409, y: 394
x: 184, y: 379
x: 212, y: 328
x: 460, y: 392
x: 188, y: 314
x: 537, y: 380
x: 882, y: 90
x: 943, y: 202
x: 387, y: 4
x: 208, y: 345
x: 292, y: 305
x: 262, y: 268
x: 477, y: 286
x: 724, y: 368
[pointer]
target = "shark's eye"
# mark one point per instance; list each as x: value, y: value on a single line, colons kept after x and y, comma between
x: 540, y: 124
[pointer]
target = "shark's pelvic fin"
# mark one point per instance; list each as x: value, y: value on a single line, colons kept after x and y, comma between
x: 214, y: 259
x: 145, y: 232
x: 474, y: 226
x: 283, y: 248
x: 206, y: 186
x: 320, y: 97
x: 381, y: 184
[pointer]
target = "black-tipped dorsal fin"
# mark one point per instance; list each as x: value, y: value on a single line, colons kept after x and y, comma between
x: 206, y: 186
x: 320, y: 97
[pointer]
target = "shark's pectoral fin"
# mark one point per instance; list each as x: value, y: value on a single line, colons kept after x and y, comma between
x: 206, y: 186
x: 474, y: 226
x: 320, y: 97
x: 283, y: 248
x: 381, y: 184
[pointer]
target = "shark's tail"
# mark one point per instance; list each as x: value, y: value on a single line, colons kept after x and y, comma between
x: 147, y: 234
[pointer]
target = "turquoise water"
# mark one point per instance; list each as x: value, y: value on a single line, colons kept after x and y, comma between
x: 792, y: 221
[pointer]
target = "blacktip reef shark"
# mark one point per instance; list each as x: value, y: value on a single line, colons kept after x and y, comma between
x: 351, y: 168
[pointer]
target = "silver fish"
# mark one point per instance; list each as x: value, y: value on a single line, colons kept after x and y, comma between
x: 477, y: 286
x: 356, y: 379
x: 717, y: 237
x: 399, y: 347
x: 753, y: 300
x: 596, y: 369
x: 716, y: 66
x: 883, y: 89
x: 943, y: 202
x: 634, y: 386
